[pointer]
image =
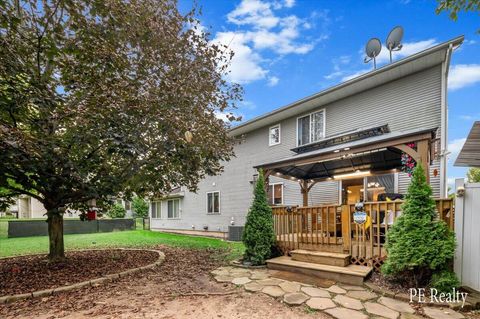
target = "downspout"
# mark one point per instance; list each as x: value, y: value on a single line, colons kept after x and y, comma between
x: 444, y: 124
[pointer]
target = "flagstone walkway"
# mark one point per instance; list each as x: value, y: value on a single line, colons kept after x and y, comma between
x: 338, y: 300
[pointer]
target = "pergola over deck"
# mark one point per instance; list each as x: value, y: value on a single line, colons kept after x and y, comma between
x: 375, y: 150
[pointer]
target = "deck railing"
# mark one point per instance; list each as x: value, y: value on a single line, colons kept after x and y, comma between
x: 331, y: 227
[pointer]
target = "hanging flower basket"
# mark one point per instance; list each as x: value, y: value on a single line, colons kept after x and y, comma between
x: 408, y: 163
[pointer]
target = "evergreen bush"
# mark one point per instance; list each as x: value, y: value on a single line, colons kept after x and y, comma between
x: 140, y: 207
x: 258, y: 235
x: 444, y: 281
x: 116, y: 211
x: 418, y: 244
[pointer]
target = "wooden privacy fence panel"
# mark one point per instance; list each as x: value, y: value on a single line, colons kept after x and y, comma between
x: 331, y: 228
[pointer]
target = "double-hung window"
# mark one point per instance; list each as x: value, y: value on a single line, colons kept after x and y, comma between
x: 311, y: 128
x: 213, y: 202
x: 156, y: 209
x: 275, y: 194
x: 274, y: 135
x: 173, y: 206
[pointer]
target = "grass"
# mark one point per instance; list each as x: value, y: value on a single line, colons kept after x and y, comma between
x: 135, y: 238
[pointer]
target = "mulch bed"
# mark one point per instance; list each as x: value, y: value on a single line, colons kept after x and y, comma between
x: 31, y: 273
x: 184, y: 271
x: 380, y: 280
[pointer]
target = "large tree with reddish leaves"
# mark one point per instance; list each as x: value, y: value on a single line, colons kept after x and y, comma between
x: 99, y: 97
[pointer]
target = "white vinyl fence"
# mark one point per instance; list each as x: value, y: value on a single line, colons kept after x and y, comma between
x: 467, y: 232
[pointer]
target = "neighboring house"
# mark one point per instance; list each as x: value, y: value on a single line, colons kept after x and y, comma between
x: 338, y: 146
x: 26, y: 207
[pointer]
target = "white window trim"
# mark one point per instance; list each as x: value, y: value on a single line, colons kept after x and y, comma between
x: 324, y: 126
x: 283, y: 189
x: 179, y: 209
x: 156, y: 203
x: 279, y: 135
x: 219, y: 203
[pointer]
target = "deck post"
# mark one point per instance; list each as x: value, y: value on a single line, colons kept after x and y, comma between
x: 304, y: 189
x: 424, y: 152
x: 346, y: 225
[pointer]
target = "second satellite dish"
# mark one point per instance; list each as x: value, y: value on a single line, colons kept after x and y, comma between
x: 394, y: 40
x: 372, y: 49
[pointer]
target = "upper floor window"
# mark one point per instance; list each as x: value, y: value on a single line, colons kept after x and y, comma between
x: 274, y: 135
x: 311, y: 128
x: 275, y: 194
x: 213, y: 203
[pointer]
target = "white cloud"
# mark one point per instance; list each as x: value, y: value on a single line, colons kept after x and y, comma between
x: 256, y: 13
x: 462, y: 75
x: 467, y: 117
x: 289, y: 3
x: 245, y: 65
x: 264, y: 29
x: 272, y: 81
x: 454, y: 147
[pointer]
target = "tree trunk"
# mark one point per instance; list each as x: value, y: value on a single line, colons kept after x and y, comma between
x: 55, y: 235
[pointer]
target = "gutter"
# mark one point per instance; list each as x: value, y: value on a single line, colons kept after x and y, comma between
x: 444, y: 121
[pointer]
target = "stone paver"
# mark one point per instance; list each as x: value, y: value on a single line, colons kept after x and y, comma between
x: 351, y: 287
x: 223, y: 278
x: 380, y: 310
x: 289, y: 286
x: 336, y: 290
x: 362, y: 295
x: 270, y: 282
x: 396, y: 305
x: 259, y: 275
x: 241, y: 281
x: 273, y: 291
x: 316, y: 292
x: 295, y: 298
x: 344, y: 313
x: 320, y: 303
x: 348, y: 302
x: 220, y: 272
x: 253, y: 287
x: 439, y: 313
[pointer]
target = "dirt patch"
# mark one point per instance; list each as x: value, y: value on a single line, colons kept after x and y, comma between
x: 27, y: 274
x: 165, y: 292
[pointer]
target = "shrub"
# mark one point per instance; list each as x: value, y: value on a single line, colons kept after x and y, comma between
x: 140, y: 207
x: 116, y: 211
x: 258, y: 235
x: 418, y: 244
x: 444, y: 281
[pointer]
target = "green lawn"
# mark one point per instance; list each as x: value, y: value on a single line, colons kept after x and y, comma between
x: 136, y: 238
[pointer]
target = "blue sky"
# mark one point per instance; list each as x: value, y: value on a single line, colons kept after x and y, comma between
x: 289, y: 49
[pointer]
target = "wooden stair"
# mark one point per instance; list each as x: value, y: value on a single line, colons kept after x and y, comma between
x: 324, y: 265
x: 320, y: 257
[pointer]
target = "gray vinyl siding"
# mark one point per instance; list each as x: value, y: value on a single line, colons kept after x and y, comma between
x: 408, y: 103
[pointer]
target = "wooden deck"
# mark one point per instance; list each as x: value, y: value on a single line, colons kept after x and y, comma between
x: 331, y: 228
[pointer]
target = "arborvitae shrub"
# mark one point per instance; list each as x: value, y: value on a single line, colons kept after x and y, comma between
x: 258, y: 235
x: 418, y: 244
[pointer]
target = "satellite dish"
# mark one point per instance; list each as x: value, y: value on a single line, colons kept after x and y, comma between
x: 394, y: 40
x: 372, y: 49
